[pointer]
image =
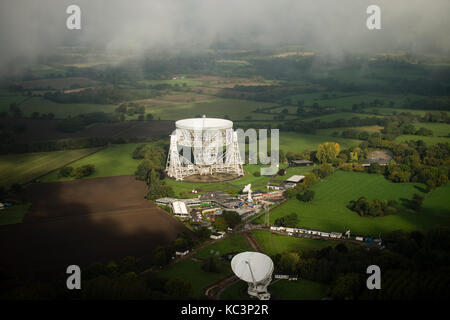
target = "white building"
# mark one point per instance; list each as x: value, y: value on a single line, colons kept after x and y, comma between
x: 295, y: 179
x: 180, y: 209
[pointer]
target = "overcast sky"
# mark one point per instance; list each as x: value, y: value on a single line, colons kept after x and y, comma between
x: 31, y: 27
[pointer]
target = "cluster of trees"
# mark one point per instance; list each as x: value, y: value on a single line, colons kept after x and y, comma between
x: 416, y: 162
x: 413, y: 161
x: 153, y: 158
x: 151, y: 170
x: 328, y: 152
x: 112, y: 280
x: 306, y: 196
x: 228, y: 219
x: 353, y: 134
x: 78, y: 172
x: 132, y: 109
x: 358, y: 107
x: 73, y: 124
x: 372, y: 208
x: 344, y: 269
x: 436, y: 117
x: 290, y: 220
x: 98, y: 95
x: 311, y: 126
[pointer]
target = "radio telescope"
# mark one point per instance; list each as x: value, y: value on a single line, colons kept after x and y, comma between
x: 256, y: 269
x: 202, y: 147
x: 247, y: 189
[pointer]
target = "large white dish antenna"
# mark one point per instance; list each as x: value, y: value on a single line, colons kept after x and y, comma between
x: 247, y: 188
x: 252, y: 267
x: 204, y: 124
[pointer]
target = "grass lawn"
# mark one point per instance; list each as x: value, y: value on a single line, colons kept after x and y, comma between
x: 237, y: 291
x: 280, y: 290
x: 232, y: 187
x: 24, y: 167
x: 437, y: 202
x: 191, y: 271
x: 272, y: 243
x: 328, y: 210
x: 298, y: 290
x: 114, y: 160
x: 234, y: 243
x: 14, y: 214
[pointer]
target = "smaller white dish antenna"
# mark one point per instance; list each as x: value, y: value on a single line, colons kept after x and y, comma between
x: 256, y: 269
x: 248, y: 189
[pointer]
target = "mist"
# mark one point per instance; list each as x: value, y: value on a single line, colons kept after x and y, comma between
x: 32, y: 28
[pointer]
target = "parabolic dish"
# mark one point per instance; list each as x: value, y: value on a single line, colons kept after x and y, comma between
x: 204, y: 124
x: 260, y: 264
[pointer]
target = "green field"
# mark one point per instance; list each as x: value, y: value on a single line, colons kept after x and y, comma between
x: 236, y: 109
x: 114, y: 160
x: 328, y: 210
x: 340, y: 115
x: 60, y: 110
x: 427, y: 140
x: 330, y: 131
x: 14, y: 214
x: 22, y: 168
x: 298, y: 290
x: 298, y: 142
x: 191, y: 271
x: 437, y: 202
x: 234, y: 243
x: 439, y: 129
x: 272, y: 243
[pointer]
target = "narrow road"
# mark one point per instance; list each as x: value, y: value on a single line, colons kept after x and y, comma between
x: 213, y: 292
x: 252, y: 241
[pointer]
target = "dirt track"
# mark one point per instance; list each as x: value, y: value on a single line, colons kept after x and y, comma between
x: 84, y: 221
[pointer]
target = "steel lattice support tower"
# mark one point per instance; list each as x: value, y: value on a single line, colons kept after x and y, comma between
x: 203, y: 146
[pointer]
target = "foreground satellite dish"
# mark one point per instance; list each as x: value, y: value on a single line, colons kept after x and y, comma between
x: 256, y: 269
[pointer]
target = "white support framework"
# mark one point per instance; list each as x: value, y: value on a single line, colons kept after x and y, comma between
x: 203, y: 146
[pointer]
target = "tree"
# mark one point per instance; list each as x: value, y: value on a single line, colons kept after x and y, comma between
x: 160, y: 256
x: 178, y: 289
x: 181, y: 244
x: 232, y: 218
x: 306, y: 196
x: 416, y: 202
x: 310, y: 179
x: 346, y: 287
x: 66, y: 171
x: 83, y: 171
x: 149, y: 116
x: 220, y: 223
x: 142, y: 170
x: 288, y: 262
x: 290, y: 220
x: 327, y: 152
x: 202, y: 233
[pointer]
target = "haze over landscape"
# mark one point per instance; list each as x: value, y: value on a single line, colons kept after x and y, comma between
x: 32, y: 28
